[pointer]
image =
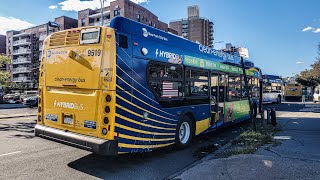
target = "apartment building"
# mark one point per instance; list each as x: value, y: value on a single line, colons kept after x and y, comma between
x: 125, y: 8
x: 2, y: 44
x: 194, y: 27
x: 24, y: 47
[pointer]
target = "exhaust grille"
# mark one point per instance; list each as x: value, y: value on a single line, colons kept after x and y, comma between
x: 65, y: 38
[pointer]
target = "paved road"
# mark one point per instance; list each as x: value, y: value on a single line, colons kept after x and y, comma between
x: 23, y: 156
x: 296, y: 157
x: 11, y: 106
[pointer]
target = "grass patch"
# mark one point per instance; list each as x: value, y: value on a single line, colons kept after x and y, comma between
x: 249, y: 141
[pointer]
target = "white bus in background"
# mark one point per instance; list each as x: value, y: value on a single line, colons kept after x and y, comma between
x: 316, y: 94
x: 273, y: 89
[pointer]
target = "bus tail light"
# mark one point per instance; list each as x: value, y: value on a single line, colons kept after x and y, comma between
x: 104, y: 131
x: 39, y: 118
x: 106, y: 120
x: 107, y: 109
x: 108, y: 98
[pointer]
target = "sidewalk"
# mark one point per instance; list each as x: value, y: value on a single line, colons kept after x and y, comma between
x: 298, y: 156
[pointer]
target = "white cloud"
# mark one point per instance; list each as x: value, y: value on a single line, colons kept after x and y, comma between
x: 316, y: 30
x: 11, y: 23
x: 308, y: 29
x: 53, y: 7
x: 77, y: 5
x: 300, y: 62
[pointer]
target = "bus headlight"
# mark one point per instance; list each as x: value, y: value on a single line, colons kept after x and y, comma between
x: 106, y: 120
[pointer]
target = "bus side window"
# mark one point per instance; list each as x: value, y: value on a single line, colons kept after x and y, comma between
x: 235, y: 88
x: 123, y: 41
x: 166, y: 81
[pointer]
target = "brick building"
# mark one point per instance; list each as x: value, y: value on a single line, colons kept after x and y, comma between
x: 194, y: 27
x: 24, y: 48
x: 125, y: 8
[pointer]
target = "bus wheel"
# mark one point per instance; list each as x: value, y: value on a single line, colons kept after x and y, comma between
x: 184, y: 132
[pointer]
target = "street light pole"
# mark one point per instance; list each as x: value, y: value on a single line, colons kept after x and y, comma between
x: 102, y: 6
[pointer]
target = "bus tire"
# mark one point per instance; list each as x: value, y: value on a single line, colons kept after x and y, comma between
x: 184, y: 132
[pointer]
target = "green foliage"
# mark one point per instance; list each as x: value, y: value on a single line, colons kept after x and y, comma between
x: 4, y: 75
x: 311, y: 77
x: 4, y: 60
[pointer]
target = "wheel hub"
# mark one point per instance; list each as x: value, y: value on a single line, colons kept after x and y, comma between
x: 184, y: 132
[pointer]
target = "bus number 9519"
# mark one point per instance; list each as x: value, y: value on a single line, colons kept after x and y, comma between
x: 94, y: 52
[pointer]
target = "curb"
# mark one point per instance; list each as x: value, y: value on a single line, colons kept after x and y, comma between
x: 208, y: 157
x: 10, y: 117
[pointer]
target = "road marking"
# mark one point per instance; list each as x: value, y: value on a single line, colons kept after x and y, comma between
x: 7, y: 154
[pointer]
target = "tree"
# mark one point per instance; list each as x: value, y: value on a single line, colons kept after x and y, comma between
x: 311, y: 77
x: 4, y: 74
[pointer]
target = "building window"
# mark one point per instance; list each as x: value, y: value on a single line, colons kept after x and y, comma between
x: 154, y: 25
x: 138, y: 17
x: 98, y: 19
x: 116, y: 12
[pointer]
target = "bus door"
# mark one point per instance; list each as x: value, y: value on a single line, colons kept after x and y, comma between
x: 214, y: 98
x: 223, y: 94
x: 218, y: 93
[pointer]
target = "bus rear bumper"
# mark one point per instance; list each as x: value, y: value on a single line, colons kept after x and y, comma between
x: 95, y: 145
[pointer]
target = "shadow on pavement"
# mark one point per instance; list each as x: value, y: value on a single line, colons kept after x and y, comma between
x: 295, y: 107
x: 21, y: 127
x: 158, y: 164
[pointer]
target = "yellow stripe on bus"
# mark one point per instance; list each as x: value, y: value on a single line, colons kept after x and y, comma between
x: 143, y: 101
x: 132, y: 78
x: 143, y: 124
x: 136, y: 89
x: 143, y: 146
x: 202, y: 125
x: 142, y: 131
x: 136, y: 114
x: 123, y: 99
x: 143, y: 139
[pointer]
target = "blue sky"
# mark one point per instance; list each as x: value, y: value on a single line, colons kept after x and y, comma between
x: 272, y: 30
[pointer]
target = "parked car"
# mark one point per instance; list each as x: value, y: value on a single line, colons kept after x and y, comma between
x: 31, y: 101
x: 27, y: 94
x: 11, y: 98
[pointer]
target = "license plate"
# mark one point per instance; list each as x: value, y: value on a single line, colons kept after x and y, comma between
x: 67, y: 120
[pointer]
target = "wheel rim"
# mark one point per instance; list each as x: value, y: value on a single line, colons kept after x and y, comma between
x: 184, y: 132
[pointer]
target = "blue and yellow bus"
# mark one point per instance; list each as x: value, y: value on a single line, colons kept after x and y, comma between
x: 133, y: 88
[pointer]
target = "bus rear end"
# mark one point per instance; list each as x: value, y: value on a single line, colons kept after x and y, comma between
x: 293, y: 92
x: 77, y: 89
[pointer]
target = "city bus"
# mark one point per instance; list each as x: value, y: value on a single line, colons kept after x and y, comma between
x: 132, y: 88
x: 273, y: 89
x: 293, y: 91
